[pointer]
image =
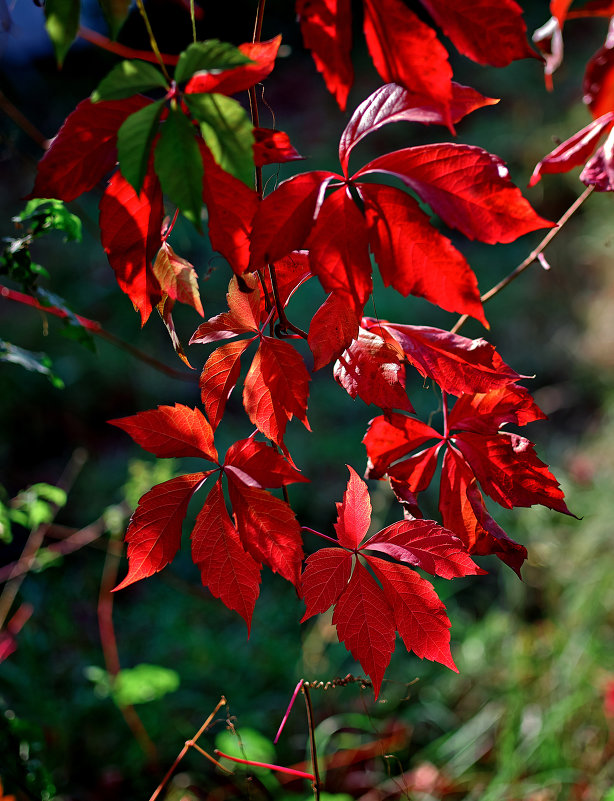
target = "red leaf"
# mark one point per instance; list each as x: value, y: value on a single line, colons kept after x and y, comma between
x: 420, y: 617
x: 599, y: 171
x: 364, y: 621
x: 286, y: 216
x: 260, y: 465
x: 290, y: 273
x: 414, y: 257
x: 273, y: 147
x: 354, y: 513
x: 598, y: 84
x: 332, y: 329
x: 276, y: 388
x: 509, y: 470
x: 171, y: 431
x: 573, y: 151
x: 326, y: 26
x: 130, y: 229
x: 458, y: 365
x: 268, y: 529
x: 373, y: 369
x: 466, y: 186
x: 84, y: 149
x: 463, y: 511
x: 392, y: 437
x: 229, y: 82
x: 416, y: 472
x: 487, y: 412
x: 406, y: 51
x: 219, y: 377
x: 549, y: 41
x: 226, y: 568
x: 424, y: 544
x: 487, y: 31
x: 154, y: 533
x: 394, y: 103
x: 243, y: 317
x: 338, y: 250
x: 325, y: 577
x: 231, y: 208
x: 177, y: 278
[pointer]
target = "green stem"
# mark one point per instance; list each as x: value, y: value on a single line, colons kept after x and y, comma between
x: 152, y: 39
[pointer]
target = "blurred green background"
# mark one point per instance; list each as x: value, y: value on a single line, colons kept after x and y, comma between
x: 530, y: 715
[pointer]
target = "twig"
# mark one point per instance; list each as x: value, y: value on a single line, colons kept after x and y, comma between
x: 291, y: 771
x: 22, y: 121
x: 105, y: 43
x: 152, y: 39
x: 312, y: 741
x: 187, y: 745
x: 36, y: 537
x: 95, y: 328
x: 533, y: 256
x: 110, y: 652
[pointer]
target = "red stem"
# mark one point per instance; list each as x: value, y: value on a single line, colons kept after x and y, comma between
x: 121, y: 50
x: 324, y: 536
x: 279, y: 768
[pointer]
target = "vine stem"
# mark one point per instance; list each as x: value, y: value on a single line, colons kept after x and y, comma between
x: 152, y: 39
x: 312, y: 742
x: 95, y: 328
x: 187, y: 745
x: 324, y: 536
x: 95, y: 38
x: 533, y: 256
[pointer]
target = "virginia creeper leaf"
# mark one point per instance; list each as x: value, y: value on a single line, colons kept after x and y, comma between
x: 286, y: 216
x: 414, y: 257
x: 273, y: 147
x: 394, y: 103
x: 134, y: 139
x: 326, y: 575
x: 374, y: 370
x: 419, y: 615
x: 332, y: 329
x: 326, y: 26
x: 487, y: 31
x: 177, y: 278
x: 406, y: 51
x: 116, y: 13
x: 84, y: 149
x: 165, y: 310
x: 219, y: 377
x: 227, y: 131
x: 353, y: 513
x: 129, y: 78
x: 226, y: 568
x: 268, y: 529
x: 466, y: 186
x: 179, y: 165
x: 365, y: 624
x: 130, y: 227
x: 261, y: 57
x: 207, y: 56
x: 260, y: 465
x: 276, y: 388
x: 154, y: 533
x: 171, y: 431
x: 62, y: 24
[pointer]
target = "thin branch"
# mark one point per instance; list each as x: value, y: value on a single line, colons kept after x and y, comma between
x: 36, y: 537
x: 105, y: 43
x: 324, y: 536
x: 152, y: 39
x: 95, y: 328
x: 533, y: 256
x: 187, y: 745
x: 23, y: 122
x: 312, y: 742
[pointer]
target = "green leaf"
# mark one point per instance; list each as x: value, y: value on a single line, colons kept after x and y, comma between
x: 62, y: 23
x: 228, y: 132
x: 207, y: 56
x: 179, y: 165
x: 252, y: 743
x: 137, y: 685
x: 115, y: 12
x: 37, y: 504
x: 129, y: 78
x: 34, y: 362
x: 46, y: 214
x: 134, y: 140
x: 6, y: 535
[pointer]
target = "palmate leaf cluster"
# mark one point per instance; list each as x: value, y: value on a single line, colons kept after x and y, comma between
x: 184, y: 143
